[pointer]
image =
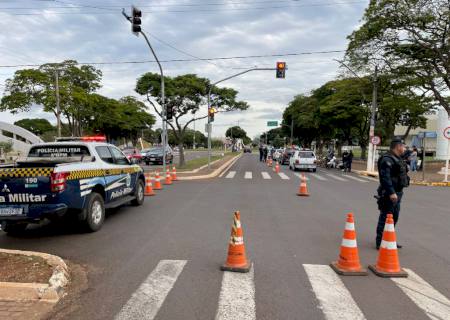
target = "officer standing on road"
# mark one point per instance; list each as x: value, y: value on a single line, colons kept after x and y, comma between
x: 261, y: 153
x: 393, y: 173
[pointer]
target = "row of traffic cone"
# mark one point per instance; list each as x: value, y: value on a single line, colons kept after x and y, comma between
x: 387, y: 265
x: 150, y: 186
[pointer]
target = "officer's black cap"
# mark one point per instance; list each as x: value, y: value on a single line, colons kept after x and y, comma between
x: 395, y: 142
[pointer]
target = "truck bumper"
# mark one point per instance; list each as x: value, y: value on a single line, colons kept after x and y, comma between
x: 36, y: 212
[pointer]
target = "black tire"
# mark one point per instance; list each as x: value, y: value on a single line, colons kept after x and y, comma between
x: 314, y: 170
x: 94, y: 220
x: 139, y: 194
x: 12, y: 228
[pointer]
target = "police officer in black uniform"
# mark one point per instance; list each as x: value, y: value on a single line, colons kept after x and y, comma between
x: 393, y: 173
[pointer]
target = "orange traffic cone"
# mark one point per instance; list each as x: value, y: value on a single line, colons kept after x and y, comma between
x: 277, y: 167
x: 236, y: 259
x: 168, y: 180
x: 270, y: 162
x: 158, y: 185
x: 348, y: 263
x: 174, y: 174
x: 148, y: 185
x: 303, y: 189
x: 388, y: 264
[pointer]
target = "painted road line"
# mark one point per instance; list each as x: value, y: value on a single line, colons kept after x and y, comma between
x: 300, y: 176
x: 237, y: 296
x: 336, y: 177
x: 369, y: 178
x: 149, y: 297
x: 435, y: 305
x: 283, y: 176
x: 230, y: 175
x: 319, y: 177
x: 336, y: 304
x: 248, y: 175
x: 266, y: 175
x: 355, y: 178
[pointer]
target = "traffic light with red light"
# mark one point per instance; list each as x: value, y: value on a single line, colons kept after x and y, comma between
x: 211, y: 112
x: 136, y: 15
x: 281, y: 70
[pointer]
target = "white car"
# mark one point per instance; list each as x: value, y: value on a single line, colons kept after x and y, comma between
x: 303, y: 160
x: 278, y: 153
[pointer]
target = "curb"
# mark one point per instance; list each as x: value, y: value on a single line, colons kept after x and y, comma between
x: 414, y: 183
x: 216, y: 172
x: 48, y: 292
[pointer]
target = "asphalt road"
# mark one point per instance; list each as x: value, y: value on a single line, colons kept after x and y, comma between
x: 188, y: 156
x: 161, y: 260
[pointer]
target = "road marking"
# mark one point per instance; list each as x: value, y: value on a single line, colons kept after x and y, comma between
x: 149, y: 297
x: 336, y: 177
x: 248, y: 175
x: 355, y: 178
x: 432, y: 302
x: 230, y: 175
x: 338, y: 303
x: 283, y: 176
x: 237, y: 296
x: 300, y: 176
x: 369, y: 178
x: 266, y: 175
x: 319, y: 177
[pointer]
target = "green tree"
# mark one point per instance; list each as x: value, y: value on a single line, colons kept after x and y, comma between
x: 236, y: 132
x: 36, y: 126
x: 411, y: 40
x: 36, y: 87
x: 186, y: 94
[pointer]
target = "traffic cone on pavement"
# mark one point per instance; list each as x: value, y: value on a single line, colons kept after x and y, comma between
x: 303, y: 189
x: 168, y: 180
x: 277, y: 167
x: 148, y: 185
x: 348, y: 263
x: 174, y: 174
x: 236, y: 259
x: 270, y: 162
x: 157, y: 185
x: 388, y: 264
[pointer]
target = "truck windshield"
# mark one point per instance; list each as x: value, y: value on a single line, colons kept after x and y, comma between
x: 59, y: 151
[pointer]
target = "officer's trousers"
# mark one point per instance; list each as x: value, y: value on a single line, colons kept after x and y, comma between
x: 387, y: 206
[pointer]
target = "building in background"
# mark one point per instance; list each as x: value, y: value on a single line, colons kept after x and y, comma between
x: 20, y: 138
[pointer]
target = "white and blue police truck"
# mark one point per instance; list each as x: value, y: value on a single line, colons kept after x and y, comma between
x: 73, y: 176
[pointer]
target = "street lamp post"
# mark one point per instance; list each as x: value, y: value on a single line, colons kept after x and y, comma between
x: 209, y: 102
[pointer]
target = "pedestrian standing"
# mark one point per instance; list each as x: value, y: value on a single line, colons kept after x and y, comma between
x: 261, y: 153
x: 349, y: 161
x: 393, y: 174
x: 265, y: 152
x: 413, y: 159
x: 345, y: 160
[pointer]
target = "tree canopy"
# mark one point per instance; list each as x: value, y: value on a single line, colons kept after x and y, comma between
x: 36, y: 126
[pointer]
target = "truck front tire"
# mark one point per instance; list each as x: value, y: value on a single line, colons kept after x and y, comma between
x: 94, y: 211
x: 12, y: 228
x: 139, y: 194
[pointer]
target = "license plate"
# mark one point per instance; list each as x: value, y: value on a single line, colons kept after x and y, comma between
x: 152, y: 159
x: 11, y: 211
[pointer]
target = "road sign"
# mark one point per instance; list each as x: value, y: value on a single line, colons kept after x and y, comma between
x: 375, y: 140
x: 427, y: 134
x: 272, y: 123
x: 447, y: 133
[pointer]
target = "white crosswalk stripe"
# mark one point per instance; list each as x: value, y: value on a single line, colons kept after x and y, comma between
x: 336, y: 177
x: 266, y: 175
x: 283, y: 176
x: 338, y: 303
x: 237, y: 296
x: 355, y: 178
x: 149, y: 297
x: 435, y: 305
x: 248, y: 175
x: 300, y: 176
x: 319, y: 177
x: 231, y: 175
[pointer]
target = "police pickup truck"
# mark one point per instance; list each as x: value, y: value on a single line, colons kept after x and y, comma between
x: 74, y: 176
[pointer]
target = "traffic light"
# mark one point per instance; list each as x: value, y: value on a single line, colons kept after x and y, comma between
x: 281, y: 70
x: 136, y: 15
x: 169, y: 113
x: 211, y: 112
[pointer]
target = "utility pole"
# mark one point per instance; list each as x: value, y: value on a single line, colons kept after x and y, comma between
x: 193, y: 142
x: 135, y: 21
x: 58, y: 108
x: 371, y: 153
x: 292, y: 131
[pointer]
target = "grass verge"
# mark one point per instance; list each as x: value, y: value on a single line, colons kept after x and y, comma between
x: 198, y: 162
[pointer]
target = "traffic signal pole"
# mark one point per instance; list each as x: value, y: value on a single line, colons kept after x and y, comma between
x: 209, y: 102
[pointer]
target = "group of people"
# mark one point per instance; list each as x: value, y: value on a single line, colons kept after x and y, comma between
x: 263, y: 153
x: 347, y: 160
x: 411, y: 157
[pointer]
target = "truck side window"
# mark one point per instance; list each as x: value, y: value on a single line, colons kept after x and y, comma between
x: 119, y: 157
x: 105, y: 154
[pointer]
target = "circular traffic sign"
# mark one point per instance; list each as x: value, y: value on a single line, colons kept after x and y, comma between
x: 447, y: 133
x: 376, y: 140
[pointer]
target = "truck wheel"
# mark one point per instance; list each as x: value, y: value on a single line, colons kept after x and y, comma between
x: 139, y: 194
x: 14, y: 228
x: 94, y: 212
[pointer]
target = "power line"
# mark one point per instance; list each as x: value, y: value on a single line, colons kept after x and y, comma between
x: 191, y: 60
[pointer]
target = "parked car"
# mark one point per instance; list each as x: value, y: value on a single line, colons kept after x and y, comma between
x: 247, y: 149
x: 144, y: 152
x: 277, y: 154
x: 155, y: 156
x: 287, y: 154
x: 303, y: 159
x: 133, y: 154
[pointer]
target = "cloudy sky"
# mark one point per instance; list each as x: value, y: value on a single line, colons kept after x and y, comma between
x: 41, y: 31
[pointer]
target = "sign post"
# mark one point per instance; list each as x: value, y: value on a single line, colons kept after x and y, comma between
x: 375, y: 141
x: 447, y: 136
